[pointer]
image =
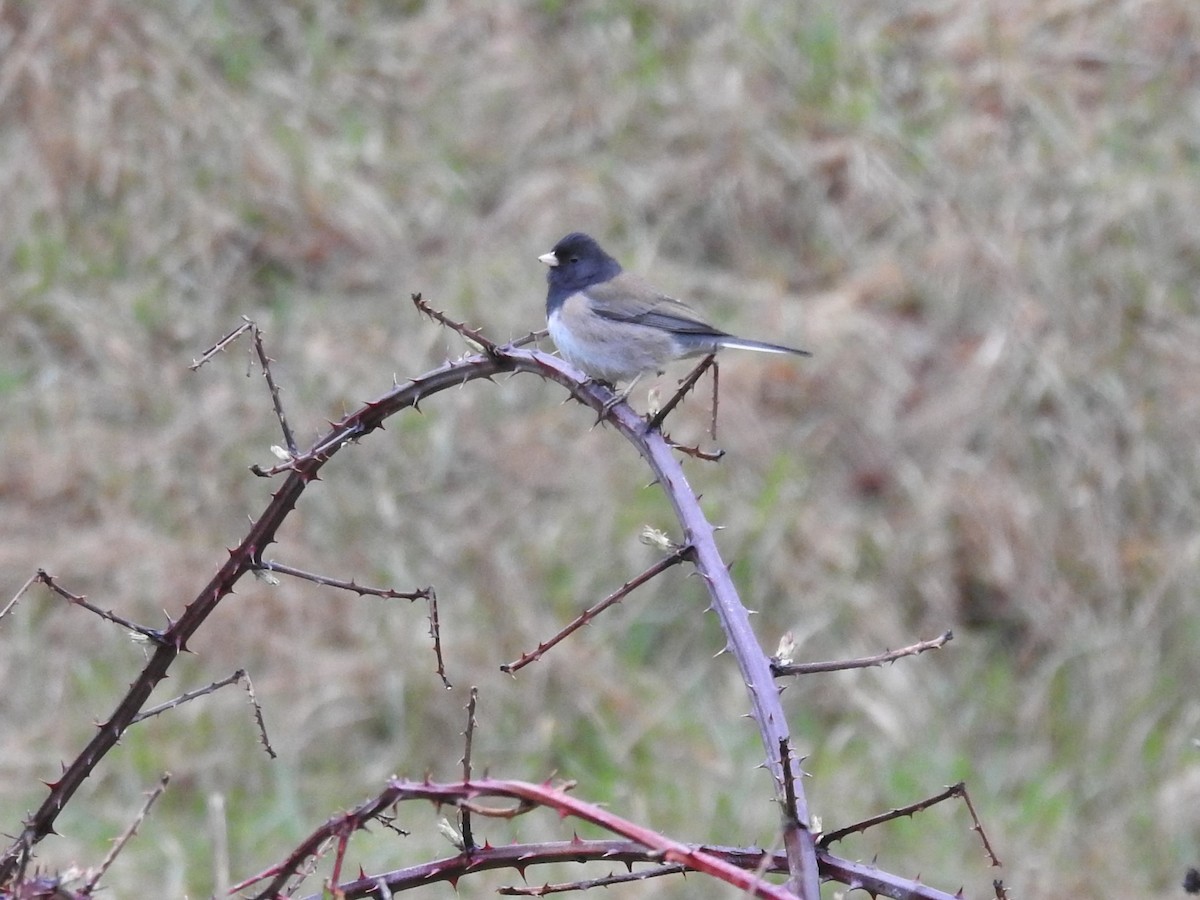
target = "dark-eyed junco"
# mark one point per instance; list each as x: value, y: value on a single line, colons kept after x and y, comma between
x: 614, y: 326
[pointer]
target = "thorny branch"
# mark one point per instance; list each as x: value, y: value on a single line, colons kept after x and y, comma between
x: 739, y: 866
x: 464, y: 817
x: 587, y: 884
x: 239, y: 675
x: 264, y: 362
x: 362, y: 590
x: 47, y: 579
x: 781, y: 668
x: 659, y: 417
x: 591, y: 612
x: 527, y: 797
x: 245, y: 557
x: 124, y: 839
x: 302, y: 468
x: 955, y: 790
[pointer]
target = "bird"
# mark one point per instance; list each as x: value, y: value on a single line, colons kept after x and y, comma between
x: 616, y: 327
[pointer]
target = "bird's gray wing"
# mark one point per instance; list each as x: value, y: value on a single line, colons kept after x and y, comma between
x: 627, y: 298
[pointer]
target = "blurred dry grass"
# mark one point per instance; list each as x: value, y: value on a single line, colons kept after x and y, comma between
x: 984, y: 218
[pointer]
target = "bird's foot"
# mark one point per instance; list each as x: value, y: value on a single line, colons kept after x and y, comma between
x: 610, y: 404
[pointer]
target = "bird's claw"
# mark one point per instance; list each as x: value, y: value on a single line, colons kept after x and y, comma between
x: 608, y: 406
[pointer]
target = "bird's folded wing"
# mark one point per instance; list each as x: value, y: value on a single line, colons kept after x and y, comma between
x: 628, y: 298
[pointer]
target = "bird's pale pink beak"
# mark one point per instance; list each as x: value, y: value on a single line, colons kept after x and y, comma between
x: 549, y: 259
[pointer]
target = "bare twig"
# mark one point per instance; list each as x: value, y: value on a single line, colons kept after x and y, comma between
x: 464, y: 816
x: 435, y: 633
x: 47, y: 579
x: 343, y: 841
x: 521, y: 856
x: 264, y: 362
x: 239, y: 675
x: 592, y: 611
x: 977, y: 826
x: 351, y: 585
x: 669, y: 851
x: 276, y: 402
x: 862, y: 662
x: 35, y: 577
x: 501, y: 812
x: 222, y: 344
x: 859, y: 827
x: 954, y: 790
x: 315, y: 845
x: 687, y: 384
x: 694, y: 452
x: 258, y: 717
x: 515, y: 856
x: 301, y: 868
x: 188, y: 695
x: 471, y: 334
x: 128, y: 834
x: 789, y: 794
x: 588, y: 884
x: 532, y: 338
x: 389, y: 822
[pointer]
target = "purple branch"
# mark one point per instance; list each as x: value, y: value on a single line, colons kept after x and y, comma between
x: 304, y: 468
x: 243, y: 558
x: 755, y: 666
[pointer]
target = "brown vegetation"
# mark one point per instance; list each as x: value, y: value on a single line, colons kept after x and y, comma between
x: 982, y: 217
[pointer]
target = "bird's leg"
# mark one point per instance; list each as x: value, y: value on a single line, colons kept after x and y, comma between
x: 621, y: 397
x: 715, y: 398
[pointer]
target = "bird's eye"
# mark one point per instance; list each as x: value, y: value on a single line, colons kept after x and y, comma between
x: 574, y: 259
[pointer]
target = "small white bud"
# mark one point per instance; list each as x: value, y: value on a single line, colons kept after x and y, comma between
x: 653, y: 401
x: 450, y: 833
x: 266, y: 576
x: 786, y: 650
x: 653, y: 537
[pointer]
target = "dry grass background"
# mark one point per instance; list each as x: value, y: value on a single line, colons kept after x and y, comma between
x: 983, y: 217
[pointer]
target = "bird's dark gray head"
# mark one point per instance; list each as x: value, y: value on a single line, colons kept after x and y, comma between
x: 576, y: 262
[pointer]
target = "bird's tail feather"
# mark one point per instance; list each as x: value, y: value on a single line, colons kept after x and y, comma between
x: 761, y: 346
